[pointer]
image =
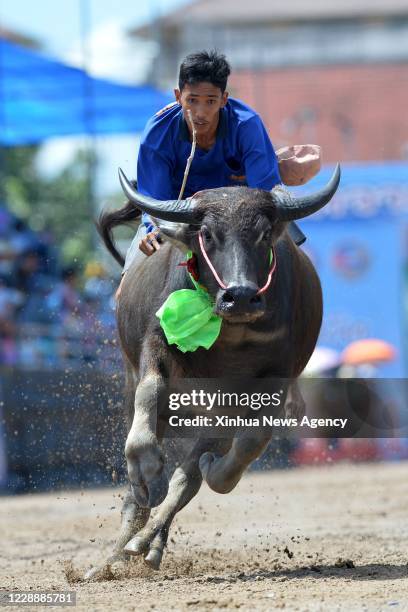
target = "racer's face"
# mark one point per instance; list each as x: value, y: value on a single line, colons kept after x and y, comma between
x: 205, y: 101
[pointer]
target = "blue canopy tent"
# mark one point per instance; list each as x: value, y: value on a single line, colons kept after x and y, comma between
x: 41, y: 98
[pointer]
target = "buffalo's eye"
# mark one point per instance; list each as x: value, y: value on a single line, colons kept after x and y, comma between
x: 206, y: 234
x: 267, y: 236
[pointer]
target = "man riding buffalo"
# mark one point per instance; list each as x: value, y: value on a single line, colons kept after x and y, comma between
x: 247, y: 303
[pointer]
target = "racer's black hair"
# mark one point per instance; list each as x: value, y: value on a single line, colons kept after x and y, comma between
x: 204, y: 67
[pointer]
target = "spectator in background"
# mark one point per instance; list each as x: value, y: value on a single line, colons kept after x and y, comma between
x: 36, y: 308
x: 22, y: 239
x: 27, y: 270
x: 7, y: 255
x: 65, y: 297
x: 10, y: 300
x: 97, y: 283
x: 46, y: 320
x: 49, y: 252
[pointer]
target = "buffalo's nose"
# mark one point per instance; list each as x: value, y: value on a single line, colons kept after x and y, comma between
x: 240, y: 299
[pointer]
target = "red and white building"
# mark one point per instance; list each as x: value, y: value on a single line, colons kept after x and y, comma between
x: 316, y: 70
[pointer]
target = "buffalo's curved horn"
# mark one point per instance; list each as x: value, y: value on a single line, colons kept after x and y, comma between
x: 290, y: 208
x: 181, y: 211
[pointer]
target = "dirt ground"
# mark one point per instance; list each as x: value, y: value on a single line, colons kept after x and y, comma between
x: 332, y: 538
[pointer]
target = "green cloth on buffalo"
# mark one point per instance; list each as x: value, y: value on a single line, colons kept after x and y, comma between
x: 188, y: 320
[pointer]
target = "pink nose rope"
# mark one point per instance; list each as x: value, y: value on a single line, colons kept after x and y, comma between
x: 271, y: 271
x: 219, y: 281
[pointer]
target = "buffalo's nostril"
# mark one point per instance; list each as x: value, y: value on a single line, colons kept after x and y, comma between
x: 228, y: 297
x: 241, y: 299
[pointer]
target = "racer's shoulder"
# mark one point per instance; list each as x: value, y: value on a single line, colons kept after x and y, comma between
x: 171, y: 106
x: 239, y: 112
x: 163, y: 125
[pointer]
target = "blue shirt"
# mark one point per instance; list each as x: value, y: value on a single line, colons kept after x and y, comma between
x: 242, y: 154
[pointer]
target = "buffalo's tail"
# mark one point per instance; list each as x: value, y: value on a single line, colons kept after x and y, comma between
x: 109, y: 220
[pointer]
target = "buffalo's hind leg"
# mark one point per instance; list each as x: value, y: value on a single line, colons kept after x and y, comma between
x: 223, y: 472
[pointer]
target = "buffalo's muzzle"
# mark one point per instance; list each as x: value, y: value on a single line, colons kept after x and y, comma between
x: 240, y: 300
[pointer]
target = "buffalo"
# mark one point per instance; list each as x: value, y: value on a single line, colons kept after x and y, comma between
x: 268, y: 295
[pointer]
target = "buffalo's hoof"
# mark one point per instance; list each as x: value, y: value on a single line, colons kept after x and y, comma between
x: 99, y: 573
x: 150, y: 544
x: 136, y: 546
x: 115, y: 564
x: 92, y: 573
x: 153, y: 558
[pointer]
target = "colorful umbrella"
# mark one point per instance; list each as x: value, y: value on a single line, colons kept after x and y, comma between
x: 369, y: 350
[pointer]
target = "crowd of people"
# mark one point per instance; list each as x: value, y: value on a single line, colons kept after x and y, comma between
x: 50, y: 316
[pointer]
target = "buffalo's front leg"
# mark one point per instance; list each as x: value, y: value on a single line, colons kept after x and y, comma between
x: 223, y: 473
x: 152, y: 539
x: 185, y: 483
x: 145, y: 461
x: 134, y: 518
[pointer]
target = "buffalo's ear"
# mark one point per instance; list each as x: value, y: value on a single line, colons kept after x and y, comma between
x: 277, y: 227
x: 176, y: 233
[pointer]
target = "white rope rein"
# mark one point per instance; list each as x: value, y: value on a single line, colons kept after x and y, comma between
x: 190, y: 158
